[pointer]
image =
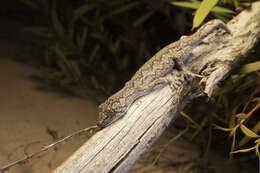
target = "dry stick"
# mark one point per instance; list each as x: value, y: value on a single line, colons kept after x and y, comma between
x: 46, y: 148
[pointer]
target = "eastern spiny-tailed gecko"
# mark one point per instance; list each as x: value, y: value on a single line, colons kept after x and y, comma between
x: 154, y: 74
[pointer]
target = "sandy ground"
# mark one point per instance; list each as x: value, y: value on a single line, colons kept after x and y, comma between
x: 31, y: 118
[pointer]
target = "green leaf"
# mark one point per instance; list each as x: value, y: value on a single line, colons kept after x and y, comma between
x: 196, y: 5
x: 83, y: 10
x: 192, y: 4
x: 56, y: 23
x: 124, y: 8
x: 143, y: 18
x: 242, y: 116
x: 94, y: 82
x: 245, y: 139
x: 203, y: 11
x: 243, y: 150
x: 94, y: 53
x: 62, y: 67
x: 232, y: 121
x: 76, y: 70
x: 251, y: 67
x: 257, y: 150
x: 78, y: 13
x: 257, y: 141
x: 236, y: 3
x: 218, y: 9
x: 233, y: 131
x: 223, y: 129
x: 248, y: 132
x: 81, y: 41
x: 115, y: 46
x: 40, y: 31
x: 62, y: 57
x: 190, y: 119
x: 233, y: 142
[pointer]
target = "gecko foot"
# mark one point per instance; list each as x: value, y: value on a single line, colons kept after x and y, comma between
x: 182, y: 67
x: 193, y: 74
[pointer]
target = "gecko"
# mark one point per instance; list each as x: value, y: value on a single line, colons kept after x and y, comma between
x: 154, y: 74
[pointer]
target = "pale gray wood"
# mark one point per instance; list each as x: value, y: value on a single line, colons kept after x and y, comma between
x: 117, y: 147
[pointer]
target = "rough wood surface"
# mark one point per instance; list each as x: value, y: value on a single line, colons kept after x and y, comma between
x: 117, y: 147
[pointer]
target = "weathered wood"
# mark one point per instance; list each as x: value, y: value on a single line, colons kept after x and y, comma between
x: 117, y: 147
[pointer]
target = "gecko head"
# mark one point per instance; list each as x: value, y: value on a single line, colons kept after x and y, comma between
x: 105, y: 118
x: 110, y: 111
x: 107, y: 115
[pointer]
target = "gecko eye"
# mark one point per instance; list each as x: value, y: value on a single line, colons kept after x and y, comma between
x: 113, y: 111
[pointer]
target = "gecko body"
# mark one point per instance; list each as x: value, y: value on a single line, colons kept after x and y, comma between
x: 153, y: 74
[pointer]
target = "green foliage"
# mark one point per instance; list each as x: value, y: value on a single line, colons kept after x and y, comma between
x: 251, y: 67
x: 115, y: 37
x: 95, y: 35
x: 203, y: 10
x: 68, y: 70
x: 241, y: 120
x: 244, y: 109
x: 123, y: 9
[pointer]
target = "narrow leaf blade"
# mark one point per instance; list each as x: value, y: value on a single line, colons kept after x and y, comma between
x: 248, y: 132
x: 203, y: 11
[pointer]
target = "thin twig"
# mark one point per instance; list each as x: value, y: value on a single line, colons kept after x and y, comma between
x: 29, y: 156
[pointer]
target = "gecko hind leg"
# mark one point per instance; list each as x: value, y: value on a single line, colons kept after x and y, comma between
x: 188, y: 74
x: 180, y: 65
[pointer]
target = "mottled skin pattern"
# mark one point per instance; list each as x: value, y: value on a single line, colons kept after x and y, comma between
x: 151, y: 75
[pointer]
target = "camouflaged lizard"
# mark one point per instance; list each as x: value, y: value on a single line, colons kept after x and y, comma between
x: 154, y: 74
